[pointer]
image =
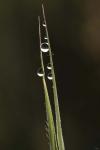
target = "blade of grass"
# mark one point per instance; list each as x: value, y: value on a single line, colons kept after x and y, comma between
x: 51, y: 127
x: 57, y: 112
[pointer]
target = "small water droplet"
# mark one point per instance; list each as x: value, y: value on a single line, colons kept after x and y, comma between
x: 45, y: 38
x: 44, y: 25
x: 44, y: 47
x: 49, y: 66
x: 40, y: 72
x: 50, y: 76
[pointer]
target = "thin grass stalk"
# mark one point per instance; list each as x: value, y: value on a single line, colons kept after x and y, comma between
x: 57, y: 112
x: 51, y: 127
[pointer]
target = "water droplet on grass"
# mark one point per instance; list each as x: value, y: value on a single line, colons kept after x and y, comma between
x: 50, y: 76
x: 44, y: 47
x: 45, y: 38
x: 49, y: 66
x: 44, y: 25
x: 40, y: 72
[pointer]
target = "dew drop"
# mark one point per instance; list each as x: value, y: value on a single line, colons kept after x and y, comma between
x: 50, y: 76
x: 44, y: 47
x: 40, y: 72
x: 45, y: 38
x: 44, y: 25
x: 49, y: 66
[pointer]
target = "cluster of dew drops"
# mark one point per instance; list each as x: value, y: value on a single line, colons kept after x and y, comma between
x: 44, y: 47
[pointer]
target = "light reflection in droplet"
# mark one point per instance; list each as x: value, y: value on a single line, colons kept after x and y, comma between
x: 40, y: 72
x: 45, y: 38
x: 50, y: 76
x: 44, y: 25
x: 44, y: 47
x: 49, y: 66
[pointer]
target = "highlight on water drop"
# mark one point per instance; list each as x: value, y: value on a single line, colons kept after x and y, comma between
x: 45, y: 38
x: 49, y: 67
x: 44, y: 25
x: 40, y: 72
x: 44, y: 47
x: 50, y: 77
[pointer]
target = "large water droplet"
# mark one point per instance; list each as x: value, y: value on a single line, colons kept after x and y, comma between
x: 40, y: 72
x: 50, y: 76
x: 49, y: 66
x: 44, y: 47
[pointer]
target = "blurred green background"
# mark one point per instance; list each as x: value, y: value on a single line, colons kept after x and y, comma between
x: 74, y: 30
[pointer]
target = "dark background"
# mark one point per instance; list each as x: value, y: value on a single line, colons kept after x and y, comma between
x: 74, y: 30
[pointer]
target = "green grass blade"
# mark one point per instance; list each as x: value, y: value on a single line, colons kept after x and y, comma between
x: 51, y: 127
x: 57, y: 112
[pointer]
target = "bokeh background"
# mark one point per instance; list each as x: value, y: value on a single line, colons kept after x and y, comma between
x: 74, y: 30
